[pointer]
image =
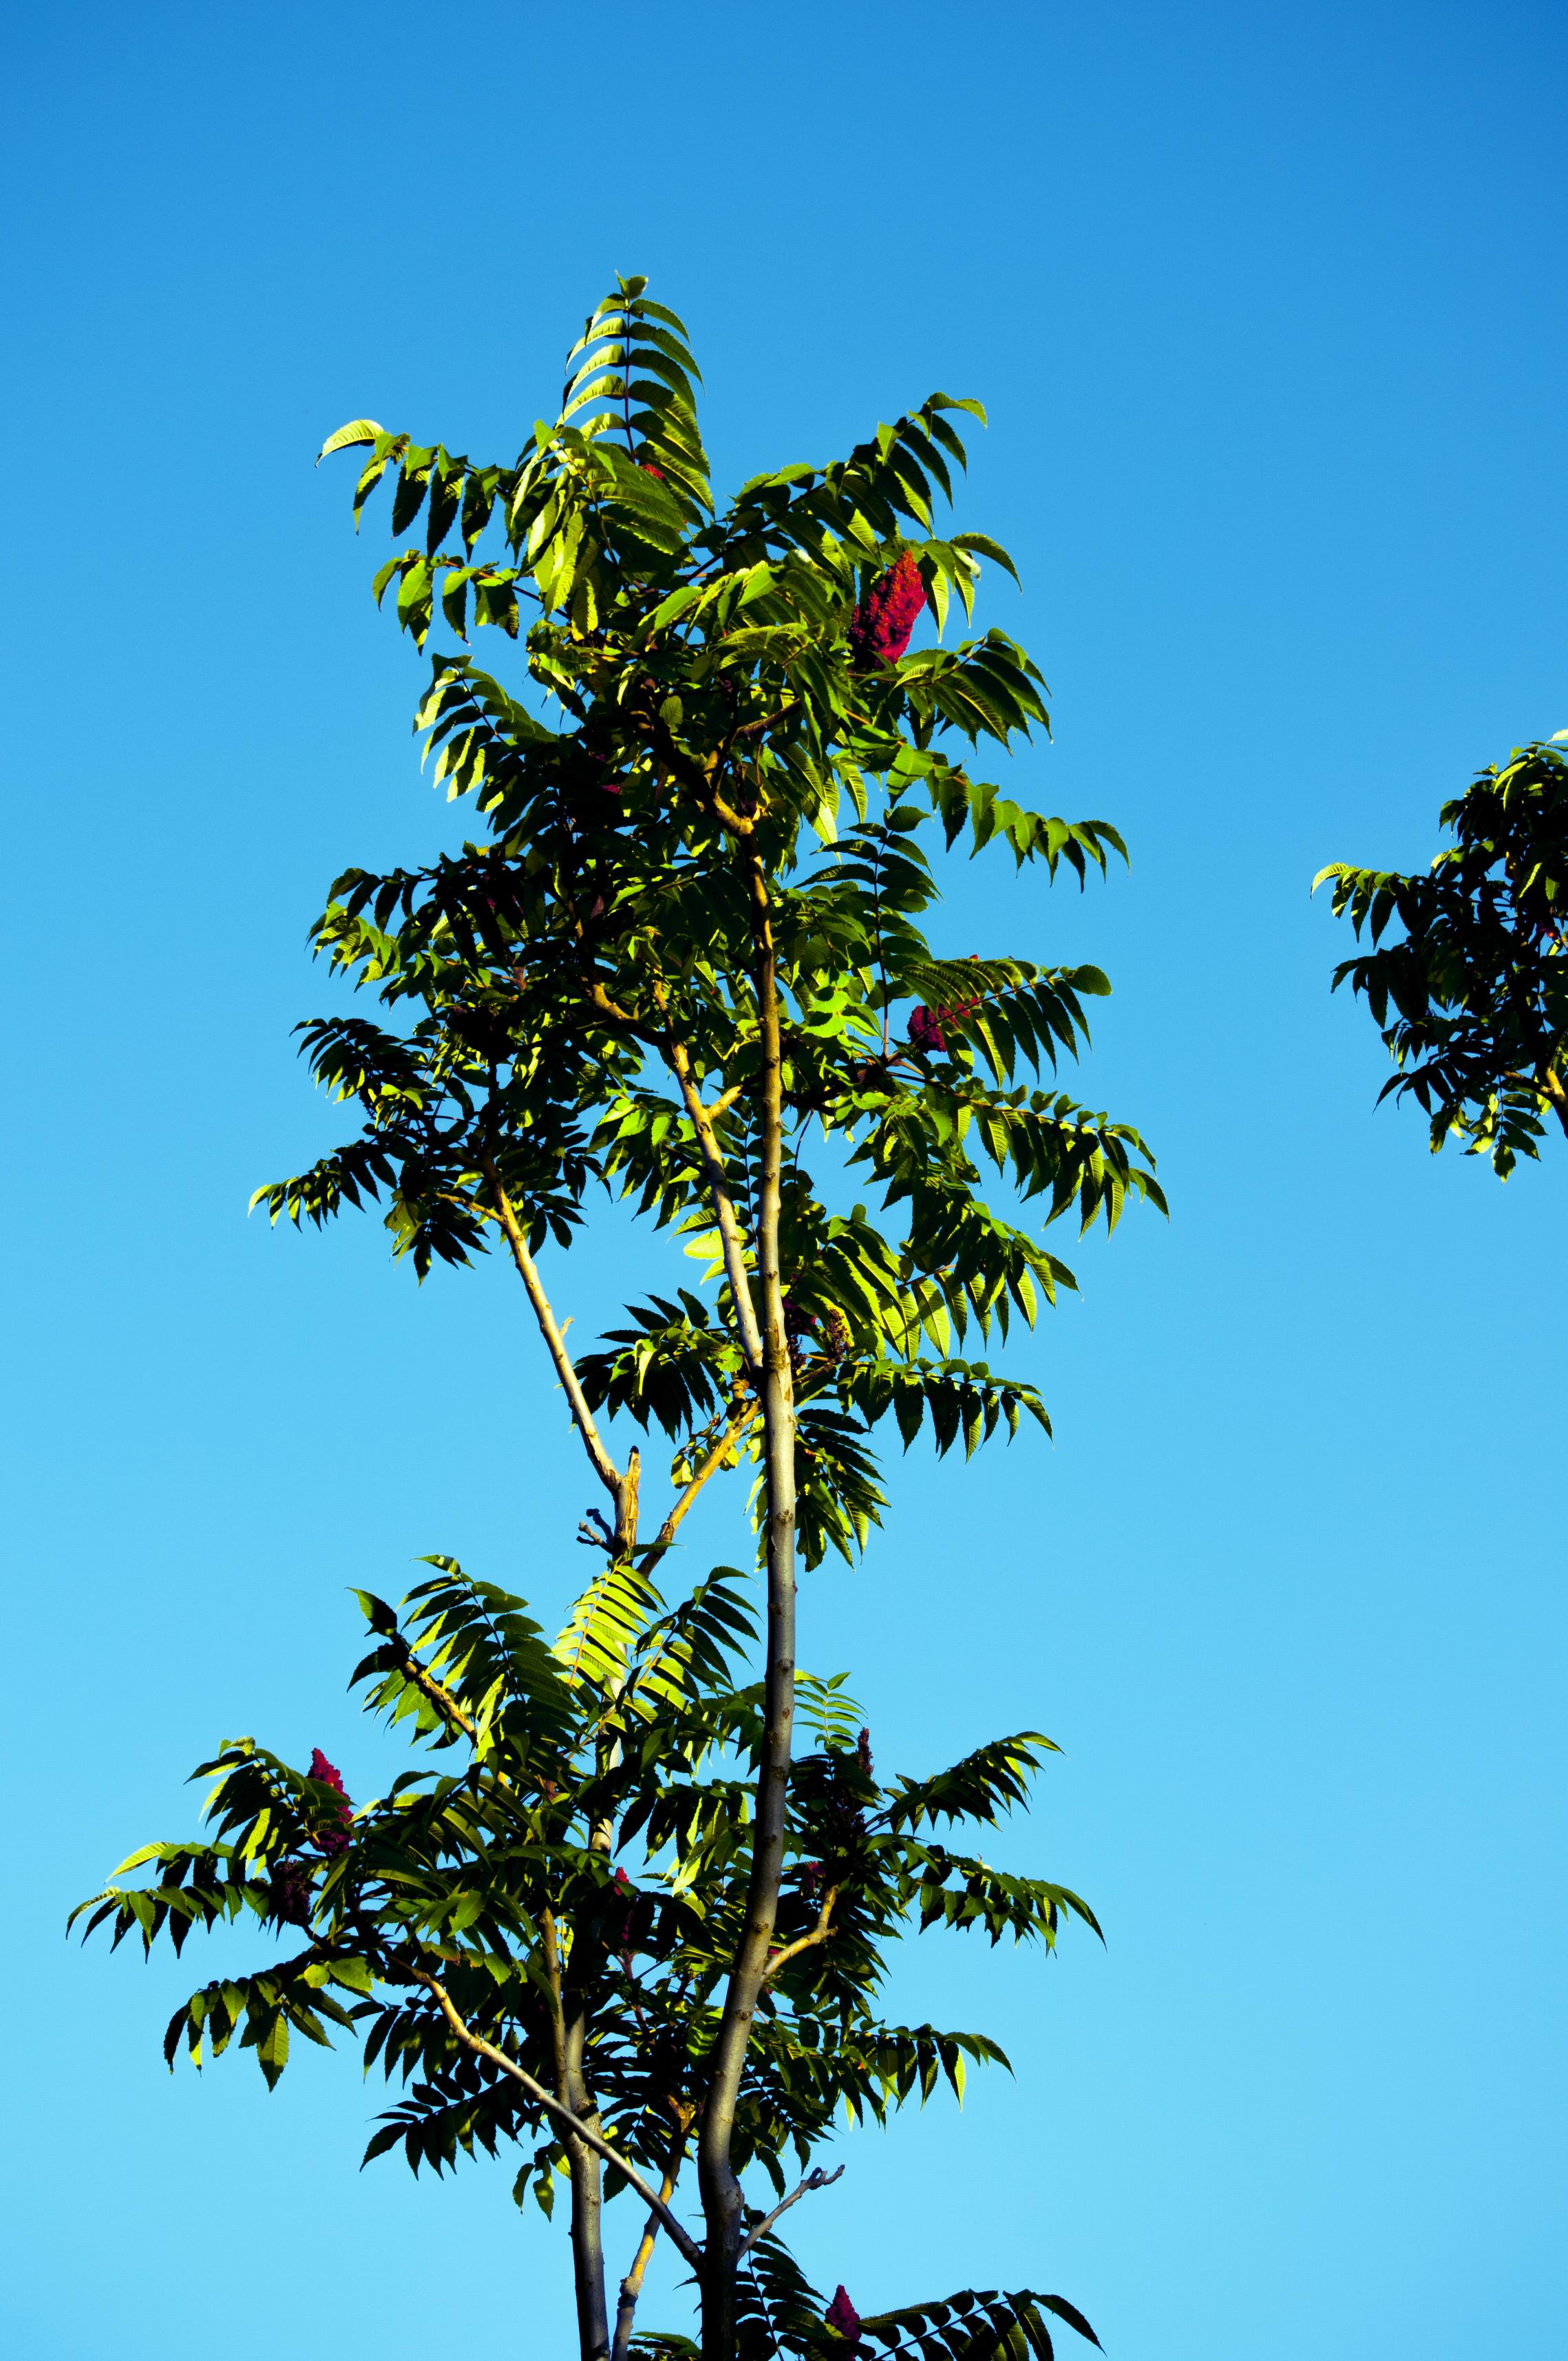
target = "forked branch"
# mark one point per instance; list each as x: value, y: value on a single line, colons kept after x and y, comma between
x: 819, y: 1936
x: 572, y: 2124
x: 710, y: 1466
x: 817, y: 2179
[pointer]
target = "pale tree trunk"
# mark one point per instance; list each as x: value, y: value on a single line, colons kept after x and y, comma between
x: 569, y: 2040
x: 588, y: 2172
x: 722, y: 2200
x: 588, y: 2206
x: 765, y: 1350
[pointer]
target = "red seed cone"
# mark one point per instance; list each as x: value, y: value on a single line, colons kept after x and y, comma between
x: 842, y: 2315
x: 288, y: 1890
x: 332, y: 1840
x: 882, y: 624
x: 926, y: 1024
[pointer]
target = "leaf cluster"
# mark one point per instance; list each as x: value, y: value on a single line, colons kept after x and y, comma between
x: 1472, y: 997
x: 781, y: 2314
x: 572, y: 999
x: 579, y: 1849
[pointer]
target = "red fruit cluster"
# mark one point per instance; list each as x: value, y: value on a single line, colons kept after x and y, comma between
x: 633, y: 1929
x: 926, y: 1024
x: 881, y: 626
x: 601, y: 776
x: 828, y: 1331
x: 288, y: 1890
x: 841, y: 2315
x: 332, y: 1840
x: 833, y: 1337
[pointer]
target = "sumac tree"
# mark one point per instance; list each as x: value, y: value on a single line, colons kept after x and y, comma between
x: 685, y: 947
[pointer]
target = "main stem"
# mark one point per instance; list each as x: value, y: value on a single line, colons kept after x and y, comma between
x: 588, y: 2172
x: 1556, y: 1093
x: 569, y: 2042
x: 587, y: 2202
x: 722, y: 2200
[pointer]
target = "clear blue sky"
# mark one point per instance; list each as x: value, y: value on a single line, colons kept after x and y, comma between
x: 1267, y: 306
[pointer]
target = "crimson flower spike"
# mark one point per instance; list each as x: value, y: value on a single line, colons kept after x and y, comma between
x: 881, y: 626
x: 842, y: 2315
x: 332, y: 1840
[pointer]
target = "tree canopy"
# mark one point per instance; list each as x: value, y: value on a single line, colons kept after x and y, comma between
x: 685, y: 947
x: 530, y: 1934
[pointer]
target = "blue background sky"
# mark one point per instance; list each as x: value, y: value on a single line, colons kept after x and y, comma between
x: 1268, y: 307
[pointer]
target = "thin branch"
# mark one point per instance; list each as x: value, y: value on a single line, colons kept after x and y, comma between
x: 609, y: 1012
x: 436, y: 1691
x: 710, y: 1466
x: 631, y: 2284
x: 818, y: 1935
x: 626, y: 1501
x: 700, y: 778
x: 817, y: 2179
x: 605, y: 2149
x: 765, y: 722
x: 604, y: 1465
x: 718, y: 1195
x: 1552, y: 1083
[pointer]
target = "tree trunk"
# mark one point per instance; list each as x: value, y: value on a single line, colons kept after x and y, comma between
x: 588, y: 2208
x: 722, y: 2200
x: 588, y: 2171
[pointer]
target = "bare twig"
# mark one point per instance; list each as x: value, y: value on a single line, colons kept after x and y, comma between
x: 818, y: 1935
x: 817, y: 2179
